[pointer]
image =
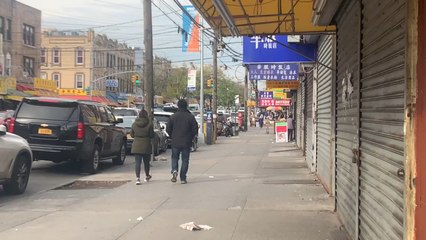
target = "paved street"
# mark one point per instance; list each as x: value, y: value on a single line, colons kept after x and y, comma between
x: 245, y: 187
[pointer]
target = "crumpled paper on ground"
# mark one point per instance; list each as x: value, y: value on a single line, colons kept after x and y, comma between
x: 191, y: 226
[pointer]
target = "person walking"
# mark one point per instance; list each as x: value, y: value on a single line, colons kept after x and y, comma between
x: 142, y: 132
x: 290, y: 127
x: 267, y: 123
x: 182, y: 128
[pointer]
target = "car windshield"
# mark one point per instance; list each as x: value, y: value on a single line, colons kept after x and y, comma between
x: 49, y: 111
x: 162, y: 118
x: 124, y: 112
x: 2, y: 114
x: 127, y: 122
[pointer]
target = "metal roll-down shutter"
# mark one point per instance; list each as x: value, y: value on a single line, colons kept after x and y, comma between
x: 382, y: 120
x: 324, y: 111
x: 347, y: 115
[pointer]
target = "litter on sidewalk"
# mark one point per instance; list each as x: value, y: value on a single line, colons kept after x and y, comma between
x: 191, y: 226
x: 139, y: 219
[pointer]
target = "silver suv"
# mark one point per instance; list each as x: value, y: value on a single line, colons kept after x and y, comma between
x: 15, y: 162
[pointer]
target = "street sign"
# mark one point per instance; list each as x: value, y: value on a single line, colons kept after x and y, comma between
x: 111, y: 83
x: 192, y: 80
x: 274, y: 71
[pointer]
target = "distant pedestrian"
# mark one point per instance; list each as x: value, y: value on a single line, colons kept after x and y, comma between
x: 261, y: 119
x: 142, y: 132
x: 182, y: 128
x: 268, y: 123
x: 290, y: 127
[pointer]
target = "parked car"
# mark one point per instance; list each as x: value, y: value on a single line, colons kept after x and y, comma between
x: 15, y: 163
x: 163, y: 118
x: 70, y: 130
x: 120, y: 112
x: 5, y: 117
x: 170, y: 108
x: 159, y: 142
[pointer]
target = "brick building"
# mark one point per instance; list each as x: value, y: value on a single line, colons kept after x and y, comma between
x: 20, y: 26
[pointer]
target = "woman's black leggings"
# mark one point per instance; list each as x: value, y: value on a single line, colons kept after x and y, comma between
x: 138, y: 158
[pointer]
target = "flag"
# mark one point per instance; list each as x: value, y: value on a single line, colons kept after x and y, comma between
x: 190, y: 31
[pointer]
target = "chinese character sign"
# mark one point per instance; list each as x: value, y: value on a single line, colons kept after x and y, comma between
x: 274, y: 102
x: 266, y: 95
x: 279, y: 71
x: 276, y: 48
x: 282, y: 84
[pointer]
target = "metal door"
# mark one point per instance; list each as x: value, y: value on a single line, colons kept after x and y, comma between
x: 324, y: 113
x: 347, y: 119
x: 298, y: 117
x: 382, y: 120
x: 302, y: 117
x: 309, y: 120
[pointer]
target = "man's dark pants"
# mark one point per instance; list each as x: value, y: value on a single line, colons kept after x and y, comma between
x: 290, y: 135
x: 184, y: 153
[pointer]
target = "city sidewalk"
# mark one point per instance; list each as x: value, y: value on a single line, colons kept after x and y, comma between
x: 245, y: 187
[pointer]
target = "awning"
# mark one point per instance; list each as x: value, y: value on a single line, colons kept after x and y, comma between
x: 268, y: 17
x: 113, y: 98
x: 13, y: 94
x: 99, y: 99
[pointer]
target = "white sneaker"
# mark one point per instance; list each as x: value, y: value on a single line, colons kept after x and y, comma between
x: 138, y: 181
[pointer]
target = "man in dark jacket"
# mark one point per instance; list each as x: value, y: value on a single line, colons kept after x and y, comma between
x: 182, y: 128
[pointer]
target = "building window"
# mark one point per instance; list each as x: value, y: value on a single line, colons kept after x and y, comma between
x: 57, y: 78
x: 28, y: 35
x: 8, y: 65
x: 29, y: 66
x: 43, y: 56
x: 43, y: 75
x: 79, y: 81
x: 79, y: 56
x: 8, y: 30
x: 56, y: 56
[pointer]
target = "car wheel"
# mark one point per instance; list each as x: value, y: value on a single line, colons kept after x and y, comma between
x: 20, y: 176
x: 119, y: 160
x: 91, y: 166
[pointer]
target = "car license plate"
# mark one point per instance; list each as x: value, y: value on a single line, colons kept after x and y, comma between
x: 45, y: 131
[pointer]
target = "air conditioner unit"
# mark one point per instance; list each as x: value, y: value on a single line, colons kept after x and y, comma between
x: 293, y: 38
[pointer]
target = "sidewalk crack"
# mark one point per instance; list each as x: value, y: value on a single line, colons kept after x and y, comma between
x: 137, y: 223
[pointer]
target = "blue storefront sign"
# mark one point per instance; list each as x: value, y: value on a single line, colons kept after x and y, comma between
x: 266, y: 95
x: 270, y: 49
x: 278, y: 71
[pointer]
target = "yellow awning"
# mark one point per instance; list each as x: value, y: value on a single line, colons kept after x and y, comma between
x: 265, y: 17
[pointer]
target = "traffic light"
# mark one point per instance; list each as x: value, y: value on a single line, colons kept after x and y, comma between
x: 135, y: 79
x: 210, y: 83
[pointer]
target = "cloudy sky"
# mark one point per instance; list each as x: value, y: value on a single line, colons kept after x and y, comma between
x: 122, y: 20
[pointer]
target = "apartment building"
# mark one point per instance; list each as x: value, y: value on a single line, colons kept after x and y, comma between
x: 85, y: 60
x: 20, y: 26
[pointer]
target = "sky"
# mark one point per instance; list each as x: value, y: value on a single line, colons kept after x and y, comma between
x: 122, y: 20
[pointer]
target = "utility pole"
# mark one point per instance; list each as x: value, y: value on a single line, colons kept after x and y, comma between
x: 202, y: 81
x: 148, y: 77
x: 245, y: 99
x: 214, y: 107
